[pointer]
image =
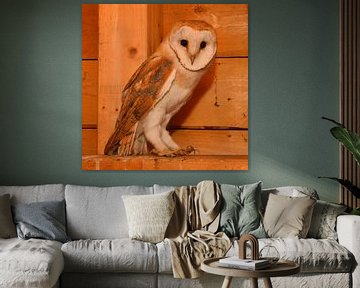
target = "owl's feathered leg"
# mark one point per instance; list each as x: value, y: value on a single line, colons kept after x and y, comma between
x: 140, y: 145
x: 127, y: 142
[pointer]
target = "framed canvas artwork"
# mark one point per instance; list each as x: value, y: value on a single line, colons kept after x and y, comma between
x: 165, y: 87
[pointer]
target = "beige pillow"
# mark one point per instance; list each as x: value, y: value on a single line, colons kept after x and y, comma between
x: 149, y: 215
x: 288, y: 217
x: 7, y: 226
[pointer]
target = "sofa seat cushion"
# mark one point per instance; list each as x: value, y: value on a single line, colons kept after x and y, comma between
x: 30, y: 263
x: 115, y: 255
x: 313, y: 255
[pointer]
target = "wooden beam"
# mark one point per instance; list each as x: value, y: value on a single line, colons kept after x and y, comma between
x: 101, y: 162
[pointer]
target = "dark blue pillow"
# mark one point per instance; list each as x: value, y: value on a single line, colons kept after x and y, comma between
x: 44, y: 220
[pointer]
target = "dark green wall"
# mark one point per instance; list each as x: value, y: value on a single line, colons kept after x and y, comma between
x: 293, y: 81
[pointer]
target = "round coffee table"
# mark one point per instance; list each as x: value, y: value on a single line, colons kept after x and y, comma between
x: 281, y: 268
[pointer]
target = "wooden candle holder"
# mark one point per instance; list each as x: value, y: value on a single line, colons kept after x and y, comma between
x: 254, y: 246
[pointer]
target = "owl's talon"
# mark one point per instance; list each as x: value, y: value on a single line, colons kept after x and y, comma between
x: 173, y: 153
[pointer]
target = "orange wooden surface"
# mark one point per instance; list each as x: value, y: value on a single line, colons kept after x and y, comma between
x: 206, y: 142
x: 229, y: 20
x: 89, y: 141
x: 89, y: 93
x: 221, y: 98
x: 90, y: 36
x: 122, y: 48
x: 213, y: 142
x: 101, y: 162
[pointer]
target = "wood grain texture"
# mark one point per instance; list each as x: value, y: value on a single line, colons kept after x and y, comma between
x: 206, y: 142
x: 221, y: 98
x: 155, y: 23
x: 122, y: 48
x: 89, y: 93
x: 101, y: 162
x: 229, y: 20
x: 90, y: 31
x: 213, y: 142
x: 89, y: 141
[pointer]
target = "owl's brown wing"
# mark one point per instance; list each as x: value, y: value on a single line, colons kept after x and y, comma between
x: 145, y: 88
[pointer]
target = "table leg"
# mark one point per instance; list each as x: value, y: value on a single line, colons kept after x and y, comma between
x: 254, y: 282
x: 267, y: 283
x: 227, y: 282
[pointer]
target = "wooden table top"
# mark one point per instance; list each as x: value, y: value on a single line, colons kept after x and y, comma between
x: 281, y: 268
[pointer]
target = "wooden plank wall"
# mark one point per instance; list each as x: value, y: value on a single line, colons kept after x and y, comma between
x: 123, y: 46
x: 350, y: 91
x: 90, y: 40
x: 214, y: 121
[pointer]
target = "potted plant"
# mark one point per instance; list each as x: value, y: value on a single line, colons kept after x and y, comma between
x: 351, y: 141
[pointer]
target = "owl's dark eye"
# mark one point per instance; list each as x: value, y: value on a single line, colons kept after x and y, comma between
x: 183, y: 43
x: 202, y: 44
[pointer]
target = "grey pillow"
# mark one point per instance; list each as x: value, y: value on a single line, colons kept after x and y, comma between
x: 323, y: 222
x: 7, y: 226
x: 44, y: 220
x: 240, y: 212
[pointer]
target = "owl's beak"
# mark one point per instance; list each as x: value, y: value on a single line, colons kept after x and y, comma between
x: 192, y: 58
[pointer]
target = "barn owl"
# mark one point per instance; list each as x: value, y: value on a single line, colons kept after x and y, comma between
x: 159, y: 88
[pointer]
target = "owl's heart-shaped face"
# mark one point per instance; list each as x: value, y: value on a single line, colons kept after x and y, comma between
x: 194, y: 44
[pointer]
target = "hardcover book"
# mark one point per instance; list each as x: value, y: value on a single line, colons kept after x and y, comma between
x: 249, y: 264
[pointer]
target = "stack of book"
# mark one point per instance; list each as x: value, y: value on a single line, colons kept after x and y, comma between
x: 248, y: 264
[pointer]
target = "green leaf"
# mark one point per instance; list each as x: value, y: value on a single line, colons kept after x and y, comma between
x: 355, y: 211
x: 349, y: 139
x: 333, y: 121
x: 347, y: 184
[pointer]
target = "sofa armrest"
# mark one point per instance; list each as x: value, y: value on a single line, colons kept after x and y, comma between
x: 348, y: 230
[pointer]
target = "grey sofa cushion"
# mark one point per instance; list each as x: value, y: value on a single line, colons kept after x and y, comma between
x: 44, y: 220
x: 313, y: 255
x: 30, y: 263
x: 109, y: 280
x: 7, y: 226
x: 36, y: 193
x: 98, y: 213
x: 117, y: 255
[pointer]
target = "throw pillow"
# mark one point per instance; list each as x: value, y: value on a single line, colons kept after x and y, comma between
x: 323, y: 222
x: 149, y: 215
x: 44, y: 220
x: 288, y: 217
x: 240, y: 210
x: 7, y: 227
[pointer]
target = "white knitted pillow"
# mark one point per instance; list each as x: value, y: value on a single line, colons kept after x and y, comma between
x: 149, y: 215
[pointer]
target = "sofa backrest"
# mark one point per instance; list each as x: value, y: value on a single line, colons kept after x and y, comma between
x: 98, y: 213
x: 36, y: 193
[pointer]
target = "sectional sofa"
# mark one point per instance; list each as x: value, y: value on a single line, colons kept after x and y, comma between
x: 99, y: 253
